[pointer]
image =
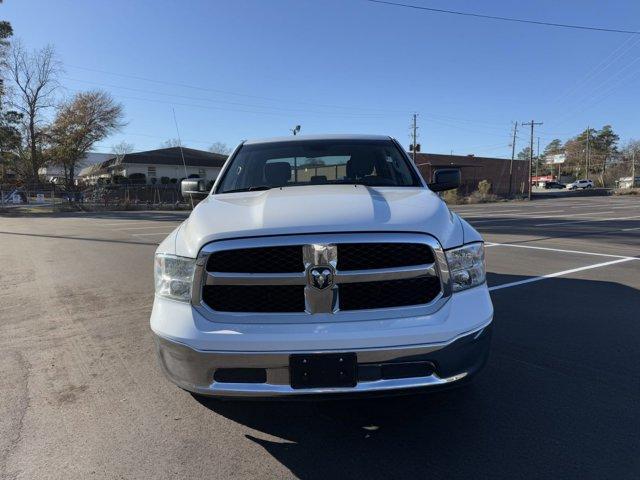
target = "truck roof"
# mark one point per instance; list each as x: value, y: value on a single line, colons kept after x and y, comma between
x: 301, y: 138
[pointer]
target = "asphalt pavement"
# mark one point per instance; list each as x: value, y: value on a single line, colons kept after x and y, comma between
x: 83, y: 397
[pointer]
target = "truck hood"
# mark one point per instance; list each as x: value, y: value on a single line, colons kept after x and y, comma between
x: 317, y: 209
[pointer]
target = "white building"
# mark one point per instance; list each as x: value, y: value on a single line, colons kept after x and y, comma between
x: 55, y: 173
x: 167, y: 163
x: 628, y: 182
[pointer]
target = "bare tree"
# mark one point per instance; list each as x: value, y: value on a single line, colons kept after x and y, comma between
x: 35, y: 77
x: 221, y: 148
x: 172, y: 142
x: 81, y: 122
x: 121, y: 149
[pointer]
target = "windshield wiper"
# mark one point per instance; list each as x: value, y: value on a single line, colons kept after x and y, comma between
x: 249, y: 189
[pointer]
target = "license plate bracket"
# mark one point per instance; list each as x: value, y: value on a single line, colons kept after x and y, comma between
x: 323, y: 370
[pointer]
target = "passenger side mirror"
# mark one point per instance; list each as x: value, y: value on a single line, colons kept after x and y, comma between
x: 445, y: 179
x: 193, y: 187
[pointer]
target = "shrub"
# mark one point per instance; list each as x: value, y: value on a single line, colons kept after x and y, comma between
x: 165, y: 180
x: 174, y: 180
x: 451, y: 197
x: 482, y: 195
x: 484, y: 187
x: 477, y: 197
x: 153, y: 180
x: 627, y: 191
x: 138, y: 178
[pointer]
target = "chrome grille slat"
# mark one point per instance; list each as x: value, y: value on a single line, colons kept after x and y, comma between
x: 349, y: 276
x: 229, y: 278
x: 384, y: 274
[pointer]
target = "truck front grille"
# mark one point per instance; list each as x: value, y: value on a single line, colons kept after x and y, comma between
x: 363, y: 275
x: 391, y: 293
x: 281, y: 259
x: 254, y: 298
x: 367, y: 256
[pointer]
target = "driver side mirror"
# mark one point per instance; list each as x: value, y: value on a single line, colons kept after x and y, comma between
x: 193, y: 187
x: 445, y: 179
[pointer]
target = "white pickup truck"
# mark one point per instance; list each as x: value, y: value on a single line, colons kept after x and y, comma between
x: 321, y: 265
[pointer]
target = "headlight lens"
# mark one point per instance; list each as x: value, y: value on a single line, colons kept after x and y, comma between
x: 466, y: 266
x: 174, y: 276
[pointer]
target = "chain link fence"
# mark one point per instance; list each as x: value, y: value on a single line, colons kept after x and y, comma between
x: 91, y: 197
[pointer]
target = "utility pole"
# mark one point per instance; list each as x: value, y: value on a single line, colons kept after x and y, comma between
x: 538, y: 158
x: 633, y: 168
x: 513, y: 154
x: 586, y: 176
x: 532, y: 124
x: 414, y: 136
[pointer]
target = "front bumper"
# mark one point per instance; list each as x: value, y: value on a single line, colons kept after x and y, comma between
x: 449, y: 362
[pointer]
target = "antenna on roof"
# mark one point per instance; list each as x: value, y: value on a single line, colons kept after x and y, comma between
x: 184, y: 164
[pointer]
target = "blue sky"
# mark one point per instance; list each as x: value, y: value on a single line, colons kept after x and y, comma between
x: 255, y: 68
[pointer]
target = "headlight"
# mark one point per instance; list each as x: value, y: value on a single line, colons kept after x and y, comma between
x: 174, y: 276
x: 466, y: 266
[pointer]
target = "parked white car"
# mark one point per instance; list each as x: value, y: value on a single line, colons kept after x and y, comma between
x: 580, y: 184
x: 321, y: 265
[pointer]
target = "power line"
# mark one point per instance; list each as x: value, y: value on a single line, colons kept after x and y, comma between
x: 225, y: 92
x: 604, y: 64
x: 507, y: 19
x: 376, y: 113
x: 212, y: 107
x: 364, y: 112
x: 591, y: 99
x: 204, y: 99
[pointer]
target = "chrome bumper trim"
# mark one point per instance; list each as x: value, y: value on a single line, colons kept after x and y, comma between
x: 193, y: 370
x: 271, y: 390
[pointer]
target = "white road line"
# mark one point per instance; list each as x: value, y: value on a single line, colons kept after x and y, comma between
x: 147, y: 234
x: 559, y: 274
x: 630, y: 229
x: 127, y: 222
x: 581, y: 205
x: 477, y: 210
x: 513, y: 212
x: 490, y: 244
x: 585, y: 221
x: 143, y: 228
x: 556, y: 212
x: 534, y: 216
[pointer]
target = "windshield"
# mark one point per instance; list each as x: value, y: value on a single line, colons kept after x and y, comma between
x: 295, y: 163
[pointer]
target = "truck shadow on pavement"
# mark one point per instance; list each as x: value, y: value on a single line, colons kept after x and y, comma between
x: 557, y: 399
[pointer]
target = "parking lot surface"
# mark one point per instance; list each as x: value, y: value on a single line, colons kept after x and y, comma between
x: 83, y: 397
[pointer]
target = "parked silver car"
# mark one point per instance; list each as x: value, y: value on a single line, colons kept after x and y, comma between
x: 580, y: 184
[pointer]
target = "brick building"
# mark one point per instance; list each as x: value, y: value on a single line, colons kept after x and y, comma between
x: 474, y: 169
